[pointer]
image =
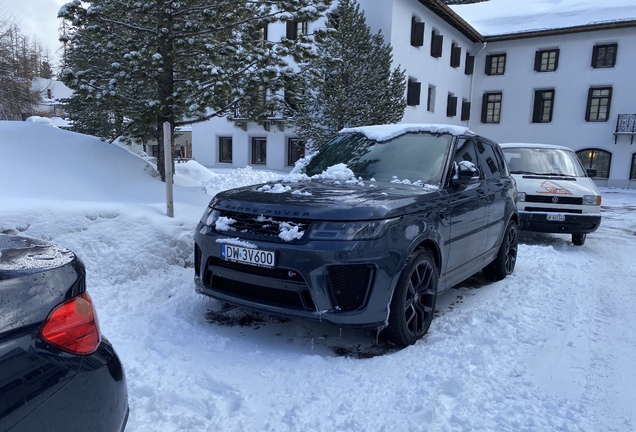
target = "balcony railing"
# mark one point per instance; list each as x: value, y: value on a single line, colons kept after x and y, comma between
x: 625, y: 125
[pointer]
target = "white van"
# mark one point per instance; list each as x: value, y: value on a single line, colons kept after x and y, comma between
x: 555, y: 193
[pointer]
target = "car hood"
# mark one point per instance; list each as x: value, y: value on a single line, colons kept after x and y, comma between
x: 553, y: 185
x: 328, y: 200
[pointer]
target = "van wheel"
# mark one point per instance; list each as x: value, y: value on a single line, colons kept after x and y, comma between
x: 504, y: 263
x: 413, y: 303
x: 579, y: 239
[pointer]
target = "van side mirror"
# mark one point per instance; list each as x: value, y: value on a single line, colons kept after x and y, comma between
x: 591, y: 172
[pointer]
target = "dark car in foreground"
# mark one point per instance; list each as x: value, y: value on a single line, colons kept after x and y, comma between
x: 383, y: 219
x: 57, y: 372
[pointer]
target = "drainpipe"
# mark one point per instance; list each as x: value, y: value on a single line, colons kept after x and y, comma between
x: 472, y: 78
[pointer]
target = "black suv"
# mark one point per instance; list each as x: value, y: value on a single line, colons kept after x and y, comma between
x: 382, y: 219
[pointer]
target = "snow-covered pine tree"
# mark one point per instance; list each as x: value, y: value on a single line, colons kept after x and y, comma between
x: 350, y: 82
x: 180, y: 61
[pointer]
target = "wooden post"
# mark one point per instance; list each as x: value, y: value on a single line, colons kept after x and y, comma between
x: 167, y: 153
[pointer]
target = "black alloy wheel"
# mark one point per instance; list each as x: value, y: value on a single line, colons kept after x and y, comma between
x: 413, y: 303
x: 504, y: 263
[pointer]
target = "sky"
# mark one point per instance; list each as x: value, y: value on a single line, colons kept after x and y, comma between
x: 36, y: 18
x: 550, y: 347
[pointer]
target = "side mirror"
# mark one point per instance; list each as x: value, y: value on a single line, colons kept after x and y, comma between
x: 466, y: 172
x: 591, y: 172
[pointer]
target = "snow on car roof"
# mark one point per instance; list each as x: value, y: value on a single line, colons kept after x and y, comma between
x: 533, y: 145
x: 386, y: 132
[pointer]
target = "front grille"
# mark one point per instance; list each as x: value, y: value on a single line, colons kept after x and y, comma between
x: 261, y: 227
x: 271, y: 296
x: 349, y: 285
x: 548, y: 199
x: 298, y: 296
x: 276, y: 273
x: 552, y: 210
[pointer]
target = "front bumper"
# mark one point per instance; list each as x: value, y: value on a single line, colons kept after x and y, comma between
x: 347, y: 283
x: 573, y: 223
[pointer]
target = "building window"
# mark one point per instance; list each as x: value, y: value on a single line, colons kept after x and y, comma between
x: 596, y: 159
x: 604, y: 56
x: 451, y: 105
x: 295, y: 150
x: 598, y: 104
x: 465, y: 110
x: 456, y: 55
x: 225, y: 149
x: 417, y: 32
x: 632, y: 171
x: 491, y: 107
x: 296, y: 29
x: 430, y: 101
x: 546, y: 60
x: 259, y: 151
x: 437, y: 43
x: 543, y: 106
x: 495, y: 64
x: 413, y: 89
x: 469, y: 64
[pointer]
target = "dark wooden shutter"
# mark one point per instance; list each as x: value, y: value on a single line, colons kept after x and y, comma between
x: 292, y: 29
x: 595, y: 56
x: 413, y: 93
x: 451, y: 107
x: 456, y: 55
x: 417, y: 33
x: 488, y: 64
x: 484, y: 107
x: 465, y: 111
x: 556, y: 59
x: 537, y: 61
x: 436, y: 45
x: 538, y: 104
x: 470, y: 64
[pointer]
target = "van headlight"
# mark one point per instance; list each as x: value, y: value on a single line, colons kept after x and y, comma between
x: 592, y: 200
x: 521, y: 196
x: 363, y: 230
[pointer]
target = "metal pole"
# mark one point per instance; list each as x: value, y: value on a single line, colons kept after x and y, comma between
x: 167, y: 156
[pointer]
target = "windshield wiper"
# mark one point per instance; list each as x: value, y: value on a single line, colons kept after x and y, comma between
x: 523, y: 172
x: 554, y: 174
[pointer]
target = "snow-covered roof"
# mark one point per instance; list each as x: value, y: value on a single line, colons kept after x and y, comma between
x: 505, y: 17
x: 386, y: 132
x: 58, y: 89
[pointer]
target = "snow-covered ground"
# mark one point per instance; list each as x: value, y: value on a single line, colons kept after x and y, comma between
x: 552, y: 347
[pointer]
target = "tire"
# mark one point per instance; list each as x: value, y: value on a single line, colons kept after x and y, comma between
x: 413, y: 302
x: 504, y: 263
x: 579, y: 239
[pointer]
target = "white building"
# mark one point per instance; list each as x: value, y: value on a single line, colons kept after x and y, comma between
x: 543, y: 71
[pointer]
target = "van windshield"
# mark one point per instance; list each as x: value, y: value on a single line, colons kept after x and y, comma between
x: 416, y: 157
x: 543, y: 161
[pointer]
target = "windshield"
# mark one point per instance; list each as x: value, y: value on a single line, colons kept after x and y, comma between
x: 543, y: 161
x: 416, y: 157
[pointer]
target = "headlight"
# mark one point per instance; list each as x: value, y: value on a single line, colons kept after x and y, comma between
x: 591, y: 199
x: 210, y: 216
x: 521, y: 196
x: 366, y: 230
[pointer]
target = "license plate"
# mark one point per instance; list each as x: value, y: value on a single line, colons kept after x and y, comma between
x: 255, y: 257
x: 556, y: 217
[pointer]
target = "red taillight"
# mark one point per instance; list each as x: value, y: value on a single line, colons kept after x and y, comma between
x: 73, y: 327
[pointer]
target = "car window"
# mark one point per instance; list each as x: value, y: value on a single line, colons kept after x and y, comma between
x: 488, y: 162
x: 543, y: 161
x: 465, y: 151
x: 416, y: 157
